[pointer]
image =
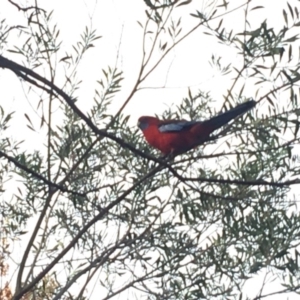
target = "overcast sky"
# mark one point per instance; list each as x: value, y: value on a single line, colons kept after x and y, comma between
x: 187, y: 66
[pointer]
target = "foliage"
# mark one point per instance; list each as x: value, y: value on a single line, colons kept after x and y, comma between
x: 107, y: 210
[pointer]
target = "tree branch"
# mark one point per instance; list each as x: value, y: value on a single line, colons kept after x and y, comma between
x: 74, y: 241
x: 26, y: 8
x: 39, y: 177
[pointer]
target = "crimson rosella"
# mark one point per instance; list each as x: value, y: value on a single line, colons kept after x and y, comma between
x: 178, y: 136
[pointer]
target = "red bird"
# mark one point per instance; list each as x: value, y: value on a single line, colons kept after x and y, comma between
x: 178, y: 136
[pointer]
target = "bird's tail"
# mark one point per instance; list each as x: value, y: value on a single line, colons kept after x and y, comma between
x: 223, y: 118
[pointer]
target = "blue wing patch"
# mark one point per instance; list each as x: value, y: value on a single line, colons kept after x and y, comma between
x: 176, y: 126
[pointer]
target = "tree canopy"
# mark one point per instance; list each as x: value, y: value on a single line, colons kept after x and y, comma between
x: 90, y: 211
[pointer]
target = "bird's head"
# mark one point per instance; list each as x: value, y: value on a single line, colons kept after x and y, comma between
x: 145, y: 121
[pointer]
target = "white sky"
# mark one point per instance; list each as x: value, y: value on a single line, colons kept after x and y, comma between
x: 116, y: 21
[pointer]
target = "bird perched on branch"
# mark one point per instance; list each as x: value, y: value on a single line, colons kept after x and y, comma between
x: 178, y: 136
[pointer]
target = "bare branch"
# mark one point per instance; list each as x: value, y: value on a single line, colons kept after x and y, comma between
x: 25, y: 8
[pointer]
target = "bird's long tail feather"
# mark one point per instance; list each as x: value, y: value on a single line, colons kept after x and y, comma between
x: 223, y: 118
